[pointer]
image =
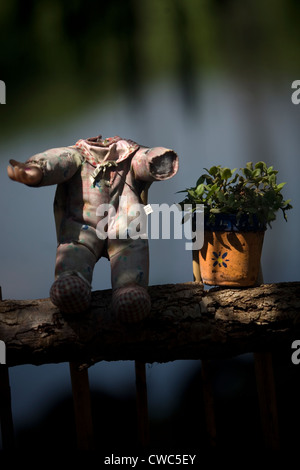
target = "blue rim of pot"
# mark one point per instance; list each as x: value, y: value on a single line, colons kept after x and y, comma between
x: 230, y: 223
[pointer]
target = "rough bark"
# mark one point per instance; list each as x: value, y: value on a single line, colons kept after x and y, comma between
x: 186, y: 322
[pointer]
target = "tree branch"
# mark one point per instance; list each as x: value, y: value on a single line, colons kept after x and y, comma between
x: 186, y: 322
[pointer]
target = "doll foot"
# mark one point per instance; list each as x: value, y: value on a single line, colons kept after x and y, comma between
x: 71, y: 294
x: 131, y: 304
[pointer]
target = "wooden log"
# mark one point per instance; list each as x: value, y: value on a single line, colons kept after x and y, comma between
x: 6, y: 420
x: 186, y: 322
x: 141, y: 380
x: 207, y: 389
x: 266, y: 389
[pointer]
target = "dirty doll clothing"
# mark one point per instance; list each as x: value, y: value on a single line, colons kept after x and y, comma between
x: 93, y: 175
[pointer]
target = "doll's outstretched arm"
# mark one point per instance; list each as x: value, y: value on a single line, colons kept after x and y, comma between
x: 154, y: 164
x: 51, y: 167
x: 23, y: 173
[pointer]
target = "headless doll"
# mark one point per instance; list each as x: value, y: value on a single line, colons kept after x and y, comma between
x: 91, y: 174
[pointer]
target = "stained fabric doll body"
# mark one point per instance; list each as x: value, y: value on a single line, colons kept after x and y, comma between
x: 99, y: 182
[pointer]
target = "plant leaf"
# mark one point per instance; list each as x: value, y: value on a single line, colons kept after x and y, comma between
x: 213, y: 170
x: 226, y: 173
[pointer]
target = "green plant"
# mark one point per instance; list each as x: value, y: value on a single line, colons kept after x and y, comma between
x: 253, y: 192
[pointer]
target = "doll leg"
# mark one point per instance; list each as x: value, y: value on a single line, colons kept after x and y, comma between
x: 71, y: 291
x: 129, y: 261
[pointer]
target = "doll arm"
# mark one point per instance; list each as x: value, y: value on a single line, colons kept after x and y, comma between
x: 154, y: 164
x: 51, y: 167
x: 26, y: 174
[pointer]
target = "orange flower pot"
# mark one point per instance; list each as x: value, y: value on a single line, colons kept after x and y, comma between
x: 231, y: 258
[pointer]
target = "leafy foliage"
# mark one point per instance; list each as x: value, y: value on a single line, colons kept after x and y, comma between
x: 253, y: 192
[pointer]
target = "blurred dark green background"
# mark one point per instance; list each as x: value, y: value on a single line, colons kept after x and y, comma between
x: 59, y: 56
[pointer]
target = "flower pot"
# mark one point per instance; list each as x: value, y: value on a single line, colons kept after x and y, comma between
x: 231, y: 252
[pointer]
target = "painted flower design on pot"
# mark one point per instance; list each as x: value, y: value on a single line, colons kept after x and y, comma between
x: 220, y: 259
